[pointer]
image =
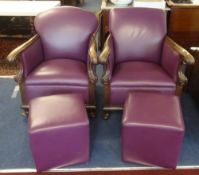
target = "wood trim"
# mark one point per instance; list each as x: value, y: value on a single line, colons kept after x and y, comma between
x: 106, y: 94
x: 19, y: 77
x: 104, y: 60
x: 91, y: 64
x: 72, y: 2
x: 181, y: 81
x: 185, y: 55
x: 92, y: 95
x: 103, y: 57
x: 92, y: 52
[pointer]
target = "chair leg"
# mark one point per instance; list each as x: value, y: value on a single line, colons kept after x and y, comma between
x: 92, y: 113
x: 92, y: 100
x: 106, y: 100
x: 25, y: 112
x: 106, y: 115
x: 81, y: 2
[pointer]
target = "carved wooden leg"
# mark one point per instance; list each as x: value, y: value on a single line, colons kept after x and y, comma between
x: 92, y: 100
x: 25, y: 111
x: 81, y: 2
x: 92, y: 113
x: 106, y: 115
x: 179, y: 90
x: 69, y: 2
x: 20, y: 80
x: 182, y: 80
x: 106, y: 100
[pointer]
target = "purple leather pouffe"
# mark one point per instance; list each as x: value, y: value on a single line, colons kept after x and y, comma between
x: 58, y: 131
x: 152, y: 129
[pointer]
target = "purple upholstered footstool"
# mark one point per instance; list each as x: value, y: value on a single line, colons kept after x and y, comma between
x: 58, y: 131
x: 152, y: 129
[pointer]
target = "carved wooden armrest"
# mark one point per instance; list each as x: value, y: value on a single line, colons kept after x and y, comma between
x: 104, y: 59
x: 17, y: 52
x: 185, y: 55
x: 93, y: 51
x: 92, y: 62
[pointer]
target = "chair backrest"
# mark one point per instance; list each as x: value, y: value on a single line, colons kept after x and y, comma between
x: 65, y: 32
x: 138, y: 33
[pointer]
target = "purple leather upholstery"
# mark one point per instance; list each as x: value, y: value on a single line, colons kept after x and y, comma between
x: 170, y: 61
x: 55, y: 77
x: 152, y: 129
x: 119, y: 94
x: 33, y: 91
x: 52, y: 72
x: 58, y: 131
x: 140, y: 74
x: 32, y: 57
x: 138, y: 33
x: 65, y: 32
x: 142, y: 59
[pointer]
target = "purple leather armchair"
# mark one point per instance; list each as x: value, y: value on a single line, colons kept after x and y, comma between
x: 61, y: 57
x: 138, y: 55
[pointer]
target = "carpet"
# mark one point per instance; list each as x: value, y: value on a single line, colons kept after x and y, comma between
x: 105, y: 136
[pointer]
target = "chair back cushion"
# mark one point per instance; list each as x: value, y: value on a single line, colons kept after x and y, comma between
x: 138, y: 33
x: 65, y: 32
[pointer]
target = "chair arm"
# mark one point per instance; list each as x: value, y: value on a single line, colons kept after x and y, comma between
x: 170, y: 61
x: 30, y: 55
x: 15, y: 54
x: 92, y: 61
x: 103, y: 58
x: 185, y: 55
x: 93, y: 51
x: 106, y: 58
x: 174, y: 60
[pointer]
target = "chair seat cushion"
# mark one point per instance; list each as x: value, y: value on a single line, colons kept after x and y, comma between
x: 140, y: 74
x: 59, y: 72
